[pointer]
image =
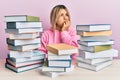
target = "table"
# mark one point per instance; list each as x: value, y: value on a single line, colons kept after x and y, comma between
x: 110, y: 73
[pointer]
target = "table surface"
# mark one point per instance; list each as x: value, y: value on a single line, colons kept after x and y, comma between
x: 110, y: 73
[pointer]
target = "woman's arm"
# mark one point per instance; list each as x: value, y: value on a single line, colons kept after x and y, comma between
x: 70, y: 38
x: 44, y: 42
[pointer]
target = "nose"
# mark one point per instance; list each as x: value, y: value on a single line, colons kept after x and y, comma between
x: 65, y: 17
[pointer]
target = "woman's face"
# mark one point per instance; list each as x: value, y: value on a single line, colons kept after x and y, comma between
x: 62, y: 17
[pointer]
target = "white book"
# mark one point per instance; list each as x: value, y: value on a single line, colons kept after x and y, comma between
x: 56, y: 74
x: 18, y: 31
x: 24, y: 47
x: 22, y: 69
x: 21, y: 64
x: 23, y: 42
x: 27, y: 59
x: 101, y: 54
x: 52, y: 56
x: 24, y: 36
x: 16, y: 25
x: 95, y: 43
x: 18, y: 54
x: 93, y: 61
x: 93, y: 27
x: 95, y: 67
x: 94, y: 38
x: 59, y: 63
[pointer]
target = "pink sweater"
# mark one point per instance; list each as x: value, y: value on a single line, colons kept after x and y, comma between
x: 51, y: 36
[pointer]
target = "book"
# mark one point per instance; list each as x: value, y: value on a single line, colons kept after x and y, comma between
x: 93, y: 61
x: 45, y: 68
x: 95, y: 48
x: 52, y: 56
x: 24, y: 47
x: 95, y: 33
x: 101, y: 54
x: 95, y: 67
x: 61, y: 49
x: 93, y: 27
x: 59, y: 63
x: 95, y: 43
x: 15, y: 18
x: 23, y: 42
x: 55, y: 74
x: 94, y: 38
x: 24, y: 36
x: 18, y: 31
x: 25, y: 59
x: 22, y: 69
x: 17, y: 25
x: 22, y: 64
x: 19, y: 54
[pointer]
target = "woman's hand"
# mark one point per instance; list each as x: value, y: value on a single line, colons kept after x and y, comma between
x: 66, y: 25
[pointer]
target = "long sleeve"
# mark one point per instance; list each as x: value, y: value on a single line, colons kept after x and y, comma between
x: 44, y: 42
x: 70, y: 37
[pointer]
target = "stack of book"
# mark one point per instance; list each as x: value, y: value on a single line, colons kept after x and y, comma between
x: 95, y: 46
x: 24, y: 39
x: 59, y: 59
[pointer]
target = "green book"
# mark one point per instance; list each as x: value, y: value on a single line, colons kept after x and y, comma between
x: 95, y: 48
x: 15, y: 18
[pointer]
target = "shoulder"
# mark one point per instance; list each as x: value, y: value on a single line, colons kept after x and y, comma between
x: 47, y: 32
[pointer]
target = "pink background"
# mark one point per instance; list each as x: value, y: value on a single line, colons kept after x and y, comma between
x: 82, y: 12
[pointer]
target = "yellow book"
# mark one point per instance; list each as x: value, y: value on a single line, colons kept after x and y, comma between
x: 95, y: 48
x: 97, y: 33
x: 62, y: 49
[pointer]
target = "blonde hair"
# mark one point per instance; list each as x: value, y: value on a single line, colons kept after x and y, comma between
x: 54, y: 12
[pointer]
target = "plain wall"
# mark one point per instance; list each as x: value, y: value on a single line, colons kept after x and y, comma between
x: 82, y: 12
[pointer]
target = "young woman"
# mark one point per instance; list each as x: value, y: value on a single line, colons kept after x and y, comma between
x: 60, y: 30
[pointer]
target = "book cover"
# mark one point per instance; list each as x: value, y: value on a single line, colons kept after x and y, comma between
x: 95, y: 43
x: 24, y: 36
x: 95, y: 33
x: 22, y: 69
x: 21, y: 30
x: 24, y: 47
x: 95, y: 38
x: 61, y: 49
x: 17, y: 25
x: 94, y: 49
x: 101, y: 54
x: 59, y: 63
x: 95, y: 67
x: 23, y: 42
x: 22, y: 64
x: 15, y: 18
x: 52, y: 56
x: 93, y: 61
x: 93, y: 27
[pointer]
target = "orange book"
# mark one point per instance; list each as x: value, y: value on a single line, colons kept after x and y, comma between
x: 62, y: 49
x: 97, y: 33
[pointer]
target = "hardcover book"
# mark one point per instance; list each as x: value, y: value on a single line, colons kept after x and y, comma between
x: 95, y: 33
x: 61, y: 49
x: 15, y: 18
x: 93, y: 27
x: 18, y: 31
x: 17, y: 25
x: 95, y: 48
x: 95, y: 67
